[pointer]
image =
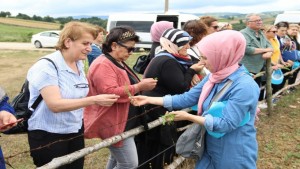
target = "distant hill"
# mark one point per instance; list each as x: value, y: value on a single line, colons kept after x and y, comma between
x: 89, y: 16
x: 224, y: 15
x: 238, y: 15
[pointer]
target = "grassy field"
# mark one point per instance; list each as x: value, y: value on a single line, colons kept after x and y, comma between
x: 19, y: 30
x: 278, y: 135
x: 11, y: 33
x: 29, y: 23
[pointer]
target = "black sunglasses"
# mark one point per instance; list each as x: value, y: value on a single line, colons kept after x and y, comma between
x: 129, y: 49
x: 272, y: 31
x: 215, y: 27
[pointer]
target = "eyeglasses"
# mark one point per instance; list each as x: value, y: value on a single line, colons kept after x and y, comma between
x: 256, y: 21
x: 129, y: 49
x: 272, y: 31
x: 215, y: 27
x: 81, y: 85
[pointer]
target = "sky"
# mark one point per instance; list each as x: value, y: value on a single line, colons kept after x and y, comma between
x: 63, y: 8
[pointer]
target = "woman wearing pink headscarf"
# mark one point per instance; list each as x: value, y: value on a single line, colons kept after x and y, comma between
x: 221, y: 54
x: 157, y: 29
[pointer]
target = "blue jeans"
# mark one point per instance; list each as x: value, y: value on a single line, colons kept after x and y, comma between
x: 124, y: 157
x: 2, y: 162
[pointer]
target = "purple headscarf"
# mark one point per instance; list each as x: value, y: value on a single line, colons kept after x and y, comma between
x: 158, y: 28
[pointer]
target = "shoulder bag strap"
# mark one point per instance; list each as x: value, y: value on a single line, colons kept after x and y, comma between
x: 195, y: 54
x: 221, y: 92
x: 40, y: 98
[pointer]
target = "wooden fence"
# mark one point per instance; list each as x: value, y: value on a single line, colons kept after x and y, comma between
x: 57, y: 162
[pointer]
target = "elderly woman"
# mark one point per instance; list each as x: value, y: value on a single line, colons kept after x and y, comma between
x: 174, y: 70
x: 110, y: 74
x: 60, y: 115
x: 238, y: 147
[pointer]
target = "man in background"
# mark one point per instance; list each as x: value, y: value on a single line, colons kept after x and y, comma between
x: 258, y: 48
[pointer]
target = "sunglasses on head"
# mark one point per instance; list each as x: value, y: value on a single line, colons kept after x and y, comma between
x: 272, y: 31
x: 129, y: 49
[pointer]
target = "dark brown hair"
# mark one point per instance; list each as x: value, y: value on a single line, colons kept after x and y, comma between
x: 207, y: 20
x: 282, y: 24
x: 196, y: 29
x: 119, y: 34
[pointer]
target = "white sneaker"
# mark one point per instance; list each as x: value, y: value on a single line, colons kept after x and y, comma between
x: 262, y: 105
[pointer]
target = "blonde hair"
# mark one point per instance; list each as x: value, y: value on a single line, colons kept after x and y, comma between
x: 74, y: 30
x: 293, y: 25
x: 267, y: 28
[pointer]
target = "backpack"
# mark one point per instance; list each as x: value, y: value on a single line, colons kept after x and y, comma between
x: 141, y: 63
x: 20, y: 104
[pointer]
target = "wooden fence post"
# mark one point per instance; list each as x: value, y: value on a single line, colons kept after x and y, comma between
x: 268, y: 86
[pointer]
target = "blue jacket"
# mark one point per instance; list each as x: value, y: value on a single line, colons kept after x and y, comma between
x: 96, y: 51
x: 6, y: 107
x: 238, y: 147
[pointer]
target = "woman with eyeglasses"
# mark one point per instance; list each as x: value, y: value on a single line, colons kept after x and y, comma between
x: 110, y: 74
x: 276, y: 59
x: 174, y: 70
x: 285, y: 45
x: 211, y: 23
x: 197, y: 30
x: 56, y: 125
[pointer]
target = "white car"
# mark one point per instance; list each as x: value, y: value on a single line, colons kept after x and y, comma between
x: 45, y: 39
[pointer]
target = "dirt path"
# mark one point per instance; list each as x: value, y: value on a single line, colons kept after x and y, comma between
x: 21, y: 46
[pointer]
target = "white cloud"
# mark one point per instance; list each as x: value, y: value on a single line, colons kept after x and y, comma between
x: 56, y: 8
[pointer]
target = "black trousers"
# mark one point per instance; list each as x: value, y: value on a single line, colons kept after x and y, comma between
x: 260, y: 83
x: 293, y: 77
x: 64, y: 144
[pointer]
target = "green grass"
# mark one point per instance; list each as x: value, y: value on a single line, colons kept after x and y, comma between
x: 11, y: 33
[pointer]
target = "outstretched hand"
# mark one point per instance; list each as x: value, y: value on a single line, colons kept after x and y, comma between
x: 147, y: 84
x: 106, y: 99
x: 180, y: 115
x: 7, y: 120
x: 139, y: 100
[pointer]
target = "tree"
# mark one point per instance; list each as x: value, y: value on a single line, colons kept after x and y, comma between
x: 37, y: 18
x: 8, y: 14
x: 63, y: 20
x: 48, y: 19
x: 2, y: 14
x: 23, y: 16
x: 5, y: 14
x: 95, y: 20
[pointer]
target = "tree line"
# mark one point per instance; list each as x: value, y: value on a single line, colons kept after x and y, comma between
x: 61, y: 20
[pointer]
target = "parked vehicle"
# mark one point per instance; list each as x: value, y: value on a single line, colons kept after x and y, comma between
x: 288, y: 16
x: 45, y: 39
x: 142, y: 23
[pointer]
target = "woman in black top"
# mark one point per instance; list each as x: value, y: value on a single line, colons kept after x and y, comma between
x: 174, y: 70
